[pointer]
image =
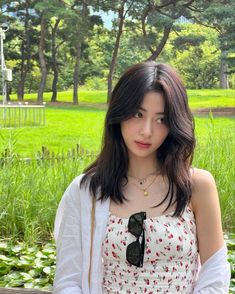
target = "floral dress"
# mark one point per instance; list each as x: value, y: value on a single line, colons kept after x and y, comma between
x: 170, y: 259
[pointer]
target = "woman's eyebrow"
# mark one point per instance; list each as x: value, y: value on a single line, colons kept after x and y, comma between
x: 143, y: 109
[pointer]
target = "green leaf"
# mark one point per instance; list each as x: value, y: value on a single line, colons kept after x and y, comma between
x: 41, y: 255
x: 17, y: 248
x: 4, y: 269
x: 3, y: 246
x: 4, y: 258
x: 29, y: 285
x: 13, y: 275
x: 41, y: 281
x: 27, y: 277
x: 47, y: 270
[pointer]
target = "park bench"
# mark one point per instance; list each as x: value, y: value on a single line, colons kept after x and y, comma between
x: 22, y: 291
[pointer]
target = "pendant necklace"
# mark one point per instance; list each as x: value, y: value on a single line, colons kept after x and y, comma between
x: 146, y: 193
x: 143, y: 180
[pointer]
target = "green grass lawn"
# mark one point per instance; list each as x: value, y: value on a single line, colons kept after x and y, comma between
x: 68, y: 126
x: 65, y: 127
x: 85, y: 96
x: 211, y: 98
x: 197, y: 98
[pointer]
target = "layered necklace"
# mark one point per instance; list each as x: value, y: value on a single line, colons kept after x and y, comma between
x: 141, y: 183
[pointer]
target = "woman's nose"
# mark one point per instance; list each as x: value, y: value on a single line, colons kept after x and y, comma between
x: 147, y: 128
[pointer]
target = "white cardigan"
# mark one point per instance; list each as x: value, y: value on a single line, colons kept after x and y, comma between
x: 72, y: 234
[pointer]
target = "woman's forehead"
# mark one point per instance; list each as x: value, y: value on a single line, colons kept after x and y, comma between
x: 154, y: 102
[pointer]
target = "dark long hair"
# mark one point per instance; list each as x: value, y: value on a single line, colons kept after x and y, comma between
x: 107, y: 173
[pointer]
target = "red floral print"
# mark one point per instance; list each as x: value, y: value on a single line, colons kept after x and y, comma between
x: 170, y: 260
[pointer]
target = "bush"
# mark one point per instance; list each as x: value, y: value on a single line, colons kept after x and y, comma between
x: 96, y: 83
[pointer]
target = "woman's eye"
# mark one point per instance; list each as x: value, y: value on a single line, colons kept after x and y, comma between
x: 160, y: 120
x: 138, y: 115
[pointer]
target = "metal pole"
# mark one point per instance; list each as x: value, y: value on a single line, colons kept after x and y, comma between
x: 2, y: 34
x: 3, y: 29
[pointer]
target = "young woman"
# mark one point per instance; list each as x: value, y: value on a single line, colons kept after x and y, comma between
x: 141, y: 219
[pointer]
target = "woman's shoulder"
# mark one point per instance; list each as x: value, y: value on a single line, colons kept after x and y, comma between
x: 74, y: 190
x: 75, y: 183
x: 204, y: 188
x: 201, y: 178
x: 77, y: 180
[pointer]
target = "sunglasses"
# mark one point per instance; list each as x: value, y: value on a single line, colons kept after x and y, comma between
x: 135, y: 250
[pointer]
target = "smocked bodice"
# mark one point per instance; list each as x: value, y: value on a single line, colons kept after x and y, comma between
x: 170, y: 260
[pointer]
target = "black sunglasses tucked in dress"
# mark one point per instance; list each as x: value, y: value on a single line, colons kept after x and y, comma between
x: 135, y: 250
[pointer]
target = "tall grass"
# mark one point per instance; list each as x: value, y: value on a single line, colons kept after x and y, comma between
x: 215, y: 152
x: 30, y: 192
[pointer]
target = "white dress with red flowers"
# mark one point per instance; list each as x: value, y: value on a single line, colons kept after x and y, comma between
x: 170, y: 260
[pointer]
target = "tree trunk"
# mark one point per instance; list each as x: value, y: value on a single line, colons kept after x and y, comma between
x: 161, y: 45
x: 115, y: 51
x: 223, y: 71
x: 30, y: 85
x: 54, y: 62
x: 42, y: 60
x: 76, y: 74
x: 23, y: 75
x: 78, y: 56
x: 54, y: 84
x: 8, y: 92
x: 20, y: 88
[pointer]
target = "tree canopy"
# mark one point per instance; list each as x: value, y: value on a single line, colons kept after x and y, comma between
x: 61, y: 44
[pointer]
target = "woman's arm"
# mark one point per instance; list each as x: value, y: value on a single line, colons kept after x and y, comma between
x: 205, y: 204
x: 68, y: 277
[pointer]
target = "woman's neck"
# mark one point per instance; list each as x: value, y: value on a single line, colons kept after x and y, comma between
x: 142, y: 168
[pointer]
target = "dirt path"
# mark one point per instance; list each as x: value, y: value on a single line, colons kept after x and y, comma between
x: 224, y: 111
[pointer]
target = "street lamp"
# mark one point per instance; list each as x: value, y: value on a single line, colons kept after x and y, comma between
x: 6, y: 73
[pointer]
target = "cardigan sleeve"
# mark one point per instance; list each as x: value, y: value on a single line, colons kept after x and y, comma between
x: 214, y: 275
x: 67, y: 233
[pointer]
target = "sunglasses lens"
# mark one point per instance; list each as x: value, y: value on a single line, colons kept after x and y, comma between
x: 135, y: 224
x: 135, y: 250
x: 133, y: 253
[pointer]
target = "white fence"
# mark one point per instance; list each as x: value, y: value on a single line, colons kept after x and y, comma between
x: 21, y: 115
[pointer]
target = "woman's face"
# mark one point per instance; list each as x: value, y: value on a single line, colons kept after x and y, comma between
x: 145, y: 132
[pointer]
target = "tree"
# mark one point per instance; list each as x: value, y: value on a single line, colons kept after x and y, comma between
x: 97, y: 54
x: 79, y: 28
x: 46, y: 10
x: 221, y: 16
x: 155, y: 17
x: 58, y: 38
x: 27, y: 17
x: 54, y: 48
x: 42, y: 60
x: 154, y: 21
x: 195, y: 54
x: 161, y: 17
x: 78, y: 46
x: 122, y: 13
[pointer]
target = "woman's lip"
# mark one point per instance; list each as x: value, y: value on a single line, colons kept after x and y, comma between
x: 143, y: 145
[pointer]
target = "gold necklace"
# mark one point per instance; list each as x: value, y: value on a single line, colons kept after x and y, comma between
x: 143, y: 180
x: 145, y: 189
